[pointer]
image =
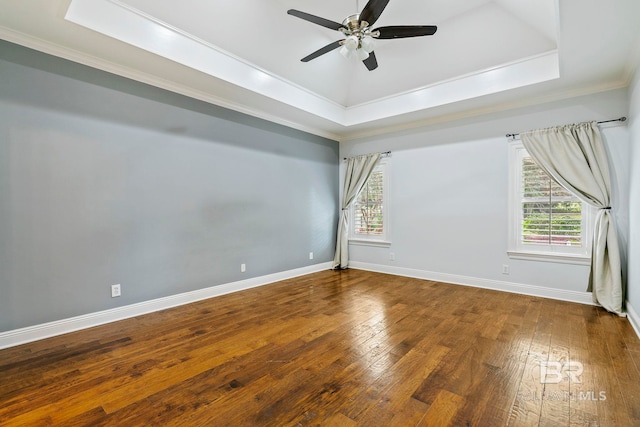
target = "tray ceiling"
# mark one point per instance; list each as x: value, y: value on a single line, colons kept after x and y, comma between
x: 246, y: 55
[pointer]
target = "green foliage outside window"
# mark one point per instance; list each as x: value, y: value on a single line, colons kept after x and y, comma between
x: 550, y: 214
x: 369, y: 218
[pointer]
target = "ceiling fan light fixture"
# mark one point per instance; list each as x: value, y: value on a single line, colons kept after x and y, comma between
x: 351, y: 43
x: 362, y: 54
x: 344, y: 51
x: 367, y: 44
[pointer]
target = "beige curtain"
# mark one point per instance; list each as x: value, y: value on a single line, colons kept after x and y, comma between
x: 575, y: 157
x: 358, y: 172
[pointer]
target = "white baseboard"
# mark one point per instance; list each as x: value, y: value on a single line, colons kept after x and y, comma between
x: 59, y: 327
x: 516, y: 288
x: 634, y: 319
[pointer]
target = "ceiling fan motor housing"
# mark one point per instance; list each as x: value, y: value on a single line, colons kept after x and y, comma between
x: 353, y: 24
x: 357, y: 32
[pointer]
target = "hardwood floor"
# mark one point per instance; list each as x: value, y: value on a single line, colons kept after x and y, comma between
x: 349, y: 348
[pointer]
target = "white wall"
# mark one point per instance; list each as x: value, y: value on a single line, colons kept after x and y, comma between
x: 449, y: 193
x: 633, y: 283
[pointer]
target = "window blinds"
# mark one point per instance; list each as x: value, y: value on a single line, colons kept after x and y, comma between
x: 550, y: 214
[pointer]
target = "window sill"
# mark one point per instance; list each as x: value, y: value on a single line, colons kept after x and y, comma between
x: 375, y: 243
x: 551, y: 257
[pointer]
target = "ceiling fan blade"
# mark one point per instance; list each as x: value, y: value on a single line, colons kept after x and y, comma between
x: 315, y: 19
x: 371, y: 63
x: 322, y: 51
x: 403, y: 31
x: 373, y: 10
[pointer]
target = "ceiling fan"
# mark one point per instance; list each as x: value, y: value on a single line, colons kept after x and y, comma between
x: 359, y: 35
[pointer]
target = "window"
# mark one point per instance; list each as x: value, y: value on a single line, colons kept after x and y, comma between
x: 546, y: 221
x: 370, y: 211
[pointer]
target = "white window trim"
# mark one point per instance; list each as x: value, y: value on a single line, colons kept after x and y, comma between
x: 558, y: 254
x: 370, y: 242
x: 377, y: 241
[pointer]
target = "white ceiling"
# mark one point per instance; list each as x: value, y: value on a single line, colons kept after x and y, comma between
x: 245, y: 55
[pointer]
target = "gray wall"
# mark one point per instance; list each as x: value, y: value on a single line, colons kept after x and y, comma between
x: 633, y: 284
x: 104, y: 180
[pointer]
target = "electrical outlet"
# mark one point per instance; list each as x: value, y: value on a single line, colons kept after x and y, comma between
x: 392, y: 256
x: 243, y: 268
x: 505, y: 269
x: 115, y: 291
x: 310, y: 255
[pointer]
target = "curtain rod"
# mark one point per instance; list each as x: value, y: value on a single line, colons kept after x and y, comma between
x: 621, y: 119
x: 384, y: 154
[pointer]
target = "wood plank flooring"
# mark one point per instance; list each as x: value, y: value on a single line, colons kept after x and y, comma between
x: 347, y: 348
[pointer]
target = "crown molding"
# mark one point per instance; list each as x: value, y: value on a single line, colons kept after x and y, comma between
x: 122, y: 22
x: 117, y: 20
x: 133, y: 74
x: 493, y: 109
x: 92, y: 61
x: 633, y: 63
